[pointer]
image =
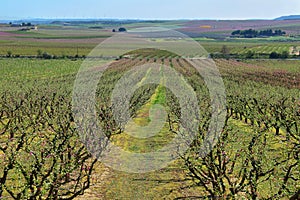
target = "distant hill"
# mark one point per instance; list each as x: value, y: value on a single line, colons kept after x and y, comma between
x: 290, y: 17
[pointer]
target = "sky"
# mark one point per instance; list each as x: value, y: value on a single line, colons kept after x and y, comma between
x: 148, y: 9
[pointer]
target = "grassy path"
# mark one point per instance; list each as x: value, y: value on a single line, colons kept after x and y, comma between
x: 153, y: 185
x: 112, y: 184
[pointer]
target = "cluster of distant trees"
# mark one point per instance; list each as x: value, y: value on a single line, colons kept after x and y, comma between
x: 26, y: 24
x: 43, y: 55
x: 251, y: 33
x: 22, y: 24
x: 122, y: 29
x: 272, y: 55
x: 275, y: 55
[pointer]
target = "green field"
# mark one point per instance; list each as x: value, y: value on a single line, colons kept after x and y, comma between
x: 80, y: 39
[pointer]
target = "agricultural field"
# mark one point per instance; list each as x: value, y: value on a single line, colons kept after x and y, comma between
x: 256, y: 94
x: 43, y: 154
x: 62, y: 39
x: 266, y: 48
x: 54, y: 47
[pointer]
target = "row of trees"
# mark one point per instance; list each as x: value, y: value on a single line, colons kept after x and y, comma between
x: 252, y: 55
x: 44, y: 55
x: 40, y: 153
x: 122, y: 29
x: 273, y: 55
x: 252, y: 162
x: 22, y: 24
x: 251, y: 33
x: 283, y: 55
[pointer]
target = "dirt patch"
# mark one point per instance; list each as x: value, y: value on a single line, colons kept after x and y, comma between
x: 98, y: 183
x: 295, y: 51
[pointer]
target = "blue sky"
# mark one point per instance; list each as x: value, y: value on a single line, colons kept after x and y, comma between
x: 148, y: 9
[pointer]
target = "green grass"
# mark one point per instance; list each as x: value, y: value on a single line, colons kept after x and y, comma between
x: 53, y: 48
x: 20, y: 74
x: 267, y: 49
x: 130, y: 143
x: 263, y: 48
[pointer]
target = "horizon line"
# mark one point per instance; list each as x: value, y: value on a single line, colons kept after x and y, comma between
x: 133, y: 19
